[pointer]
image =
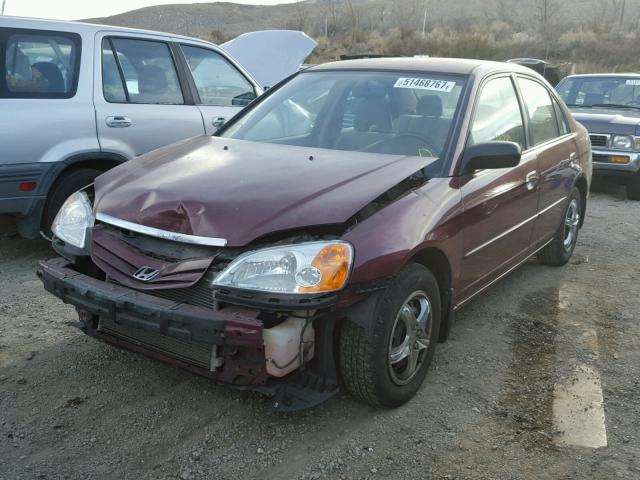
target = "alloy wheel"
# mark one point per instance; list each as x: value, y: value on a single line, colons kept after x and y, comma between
x: 410, y: 338
x: 571, y: 223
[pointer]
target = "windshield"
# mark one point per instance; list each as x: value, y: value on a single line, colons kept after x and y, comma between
x: 378, y: 112
x: 615, y: 92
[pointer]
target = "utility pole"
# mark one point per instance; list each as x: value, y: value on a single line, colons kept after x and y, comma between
x: 2, y: 7
x: 424, y: 22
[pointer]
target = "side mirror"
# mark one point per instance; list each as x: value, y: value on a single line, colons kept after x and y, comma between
x: 490, y: 155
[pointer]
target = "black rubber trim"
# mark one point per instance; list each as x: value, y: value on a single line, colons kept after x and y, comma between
x: 129, y: 307
x: 274, y: 302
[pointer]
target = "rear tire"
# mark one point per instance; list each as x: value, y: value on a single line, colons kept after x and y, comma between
x: 66, y: 184
x: 560, y: 250
x: 633, y: 187
x: 385, y: 363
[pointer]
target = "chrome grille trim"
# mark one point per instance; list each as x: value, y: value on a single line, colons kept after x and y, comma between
x: 158, y: 233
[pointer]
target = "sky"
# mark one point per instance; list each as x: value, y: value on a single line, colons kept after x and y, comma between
x: 76, y: 9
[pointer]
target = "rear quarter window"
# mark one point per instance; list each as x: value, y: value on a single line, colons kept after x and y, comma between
x: 39, y: 64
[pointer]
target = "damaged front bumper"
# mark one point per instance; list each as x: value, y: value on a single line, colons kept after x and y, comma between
x: 225, y: 345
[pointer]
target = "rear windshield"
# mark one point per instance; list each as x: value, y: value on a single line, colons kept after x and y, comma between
x: 620, y: 92
x: 377, y: 112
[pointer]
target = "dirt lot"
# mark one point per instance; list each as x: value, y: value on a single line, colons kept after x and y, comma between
x: 540, y: 371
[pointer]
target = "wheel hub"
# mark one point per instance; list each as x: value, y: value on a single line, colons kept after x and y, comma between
x: 571, y: 223
x: 410, y: 338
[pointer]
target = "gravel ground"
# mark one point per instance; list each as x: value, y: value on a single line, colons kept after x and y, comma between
x: 71, y: 407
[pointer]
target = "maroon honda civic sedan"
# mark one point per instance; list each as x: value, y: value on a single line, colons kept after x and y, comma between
x: 326, y: 236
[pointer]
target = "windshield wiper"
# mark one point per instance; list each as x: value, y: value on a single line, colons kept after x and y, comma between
x: 576, y: 105
x: 613, y: 105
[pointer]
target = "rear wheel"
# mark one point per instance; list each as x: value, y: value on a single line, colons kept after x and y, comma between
x: 65, y: 185
x: 633, y: 187
x: 385, y: 364
x: 560, y: 250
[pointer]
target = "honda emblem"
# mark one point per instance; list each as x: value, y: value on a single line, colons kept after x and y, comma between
x: 146, y: 274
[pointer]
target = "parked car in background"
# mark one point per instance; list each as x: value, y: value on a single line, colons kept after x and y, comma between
x: 276, y: 254
x: 608, y: 105
x: 78, y: 99
x: 549, y: 71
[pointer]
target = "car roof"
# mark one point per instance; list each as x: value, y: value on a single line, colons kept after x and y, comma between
x: 77, y: 27
x: 458, y: 66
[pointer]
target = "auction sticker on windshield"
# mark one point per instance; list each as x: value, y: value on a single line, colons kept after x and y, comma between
x: 425, y: 84
x: 633, y: 82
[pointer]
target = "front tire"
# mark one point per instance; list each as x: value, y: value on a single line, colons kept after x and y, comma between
x: 561, y: 248
x: 633, y: 187
x: 385, y: 363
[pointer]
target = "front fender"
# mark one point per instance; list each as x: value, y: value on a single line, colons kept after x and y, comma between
x: 423, y: 218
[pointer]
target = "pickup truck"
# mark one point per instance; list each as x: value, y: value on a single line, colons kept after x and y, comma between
x: 608, y: 105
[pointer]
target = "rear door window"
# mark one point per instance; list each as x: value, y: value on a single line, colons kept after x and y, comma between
x: 39, y: 64
x: 218, y: 82
x: 543, y: 124
x: 139, y: 71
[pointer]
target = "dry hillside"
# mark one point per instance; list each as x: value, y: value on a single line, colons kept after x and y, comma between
x: 595, y: 34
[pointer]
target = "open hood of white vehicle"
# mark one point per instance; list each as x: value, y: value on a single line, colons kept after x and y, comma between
x: 271, y: 55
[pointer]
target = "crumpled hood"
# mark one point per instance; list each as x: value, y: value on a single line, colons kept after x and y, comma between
x: 240, y: 190
x: 612, y: 121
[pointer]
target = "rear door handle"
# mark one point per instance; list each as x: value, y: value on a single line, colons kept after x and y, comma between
x: 217, y: 122
x: 531, y: 180
x: 118, y: 121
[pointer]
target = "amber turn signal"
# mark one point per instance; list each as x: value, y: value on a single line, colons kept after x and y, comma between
x: 620, y: 159
x: 333, y: 262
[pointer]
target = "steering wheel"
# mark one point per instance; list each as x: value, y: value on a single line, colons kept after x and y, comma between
x: 426, y: 142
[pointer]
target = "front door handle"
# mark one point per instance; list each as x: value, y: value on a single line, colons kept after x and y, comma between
x: 531, y: 180
x: 118, y: 121
x: 217, y: 122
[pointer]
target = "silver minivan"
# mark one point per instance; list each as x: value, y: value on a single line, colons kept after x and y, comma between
x: 78, y: 99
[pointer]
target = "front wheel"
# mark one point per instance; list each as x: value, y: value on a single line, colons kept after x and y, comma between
x: 633, y: 187
x: 385, y: 364
x: 560, y: 250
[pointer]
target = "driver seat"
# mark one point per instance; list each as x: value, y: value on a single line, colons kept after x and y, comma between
x: 427, y: 122
x: 371, y: 123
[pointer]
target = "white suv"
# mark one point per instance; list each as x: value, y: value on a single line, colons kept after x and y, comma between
x: 78, y: 99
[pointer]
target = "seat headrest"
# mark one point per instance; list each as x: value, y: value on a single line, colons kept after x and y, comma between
x: 152, y: 79
x: 591, y: 98
x: 372, y: 115
x: 429, y: 106
x: 50, y: 71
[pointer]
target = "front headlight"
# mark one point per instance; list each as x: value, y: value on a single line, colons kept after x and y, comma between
x: 73, y: 219
x: 316, y: 267
x: 622, y: 142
